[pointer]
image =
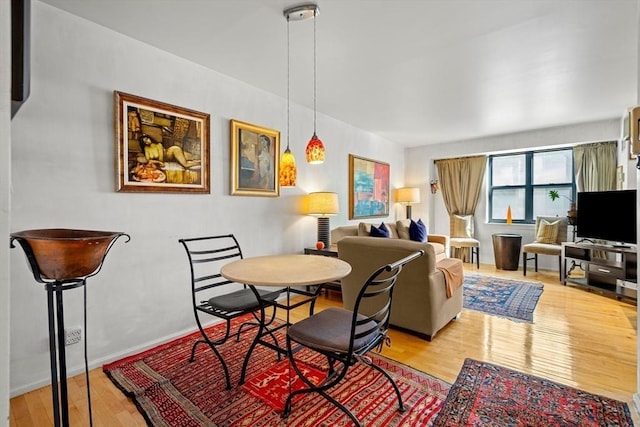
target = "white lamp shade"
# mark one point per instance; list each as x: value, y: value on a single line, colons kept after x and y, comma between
x: 322, y: 204
x: 408, y: 195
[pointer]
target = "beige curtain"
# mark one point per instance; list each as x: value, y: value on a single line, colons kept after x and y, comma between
x: 461, y: 182
x: 595, y: 166
x: 595, y: 170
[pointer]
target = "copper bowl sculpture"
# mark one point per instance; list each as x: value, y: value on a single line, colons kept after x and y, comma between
x: 61, y: 254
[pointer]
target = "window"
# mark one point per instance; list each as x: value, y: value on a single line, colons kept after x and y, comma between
x: 523, y: 181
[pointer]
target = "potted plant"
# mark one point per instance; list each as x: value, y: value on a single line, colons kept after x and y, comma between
x: 572, y: 212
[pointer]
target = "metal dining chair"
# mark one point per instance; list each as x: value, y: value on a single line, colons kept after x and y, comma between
x: 214, y: 295
x: 346, y: 336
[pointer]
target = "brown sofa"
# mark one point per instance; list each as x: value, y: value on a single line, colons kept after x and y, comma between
x: 420, y: 304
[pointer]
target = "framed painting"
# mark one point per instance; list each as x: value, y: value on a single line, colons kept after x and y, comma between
x: 160, y: 147
x: 368, y: 188
x: 254, y: 160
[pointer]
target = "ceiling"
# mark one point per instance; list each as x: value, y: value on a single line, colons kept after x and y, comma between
x: 415, y: 72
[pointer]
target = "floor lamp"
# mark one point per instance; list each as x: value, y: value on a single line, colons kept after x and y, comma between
x: 323, y: 205
x: 408, y: 195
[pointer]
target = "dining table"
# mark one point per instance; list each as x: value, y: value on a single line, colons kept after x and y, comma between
x: 293, y: 273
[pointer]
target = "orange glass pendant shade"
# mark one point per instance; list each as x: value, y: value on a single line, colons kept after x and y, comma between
x: 509, y: 217
x: 315, y: 151
x: 288, y: 172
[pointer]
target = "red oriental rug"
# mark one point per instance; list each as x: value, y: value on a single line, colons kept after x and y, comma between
x: 489, y: 395
x: 170, y: 391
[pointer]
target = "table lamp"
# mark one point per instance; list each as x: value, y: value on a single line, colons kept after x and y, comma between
x: 408, y: 195
x: 323, y: 205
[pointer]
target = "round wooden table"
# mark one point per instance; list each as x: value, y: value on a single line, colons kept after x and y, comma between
x: 286, y: 270
x: 283, y: 271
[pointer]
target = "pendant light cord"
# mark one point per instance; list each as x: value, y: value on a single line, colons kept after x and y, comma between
x: 315, y: 18
x: 288, y: 81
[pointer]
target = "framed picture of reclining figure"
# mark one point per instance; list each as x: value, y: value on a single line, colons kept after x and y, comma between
x: 160, y: 147
x: 368, y: 188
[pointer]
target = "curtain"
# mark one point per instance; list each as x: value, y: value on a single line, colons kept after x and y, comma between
x: 595, y: 166
x: 595, y: 170
x: 461, y: 182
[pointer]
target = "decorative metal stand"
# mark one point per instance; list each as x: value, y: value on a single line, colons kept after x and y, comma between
x: 63, y: 259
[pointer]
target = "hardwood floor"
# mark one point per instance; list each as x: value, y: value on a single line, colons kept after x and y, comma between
x: 578, y: 338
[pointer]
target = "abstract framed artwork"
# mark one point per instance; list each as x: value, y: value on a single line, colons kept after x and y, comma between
x: 160, y: 147
x: 368, y: 188
x: 254, y: 160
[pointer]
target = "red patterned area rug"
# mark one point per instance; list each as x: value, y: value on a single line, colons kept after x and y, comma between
x: 490, y: 396
x: 170, y: 391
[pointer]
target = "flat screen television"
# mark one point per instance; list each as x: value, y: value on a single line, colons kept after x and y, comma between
x: 607, y: 215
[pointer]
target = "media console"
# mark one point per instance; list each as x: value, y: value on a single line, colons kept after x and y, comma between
x: 611, y: 270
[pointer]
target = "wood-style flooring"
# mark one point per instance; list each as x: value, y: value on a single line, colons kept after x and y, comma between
x: 578, y: 338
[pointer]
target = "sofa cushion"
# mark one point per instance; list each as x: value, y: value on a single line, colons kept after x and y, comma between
x: 406, y: 227
x: 402, y: 225
x: 381, y: 231
x: 418, y: 231
x: 364, y: 229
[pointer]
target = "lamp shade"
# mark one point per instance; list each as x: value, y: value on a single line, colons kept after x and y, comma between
x: 322, y: 204
x: 315, y: 151
x: 288, y: 172
x: 408, y: 195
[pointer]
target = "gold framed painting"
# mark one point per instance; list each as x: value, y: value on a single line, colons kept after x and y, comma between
x: 160, y: 147
x: 254, y: 160
x: 368, y: 188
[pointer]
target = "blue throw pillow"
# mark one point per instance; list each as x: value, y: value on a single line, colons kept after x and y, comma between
x: 418, y: 231
x: 381, y: 231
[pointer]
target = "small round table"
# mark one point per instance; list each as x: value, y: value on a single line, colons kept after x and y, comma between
x: 286, y: 270
x: 283, y: 271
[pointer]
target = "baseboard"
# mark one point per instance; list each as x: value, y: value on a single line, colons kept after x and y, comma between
x: 96, y: 363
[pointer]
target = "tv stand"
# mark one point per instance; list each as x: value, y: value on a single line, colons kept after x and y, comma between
x: 608, y: 269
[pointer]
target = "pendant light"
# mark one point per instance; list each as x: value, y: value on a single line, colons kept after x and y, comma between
x: 288, y: 173
x: 315, y: 149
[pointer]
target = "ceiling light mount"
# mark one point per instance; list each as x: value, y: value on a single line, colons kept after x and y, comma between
x: 302, y: 12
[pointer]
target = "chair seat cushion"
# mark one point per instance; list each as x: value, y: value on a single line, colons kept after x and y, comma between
x: 243, y: 299
x: 463, y: 242
x: 330, y: 330
x: 542, y: 248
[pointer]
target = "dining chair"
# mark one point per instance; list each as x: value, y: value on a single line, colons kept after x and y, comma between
x: 214, y: 295
x: 550, y: 233
x: 346, y: 336
x: 461, y: 232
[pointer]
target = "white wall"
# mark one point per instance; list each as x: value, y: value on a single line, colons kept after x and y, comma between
x: 5, y: 167
x: 64, y: 176
x: 420, y: 170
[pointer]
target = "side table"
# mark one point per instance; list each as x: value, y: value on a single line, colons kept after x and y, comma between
x: 332, y: 251
x: 506, y: 250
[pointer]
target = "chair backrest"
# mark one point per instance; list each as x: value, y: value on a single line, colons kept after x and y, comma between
x: 562, y: 226
x: 206, y: 256
x: 461, y: 226
x: 378, y: 287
